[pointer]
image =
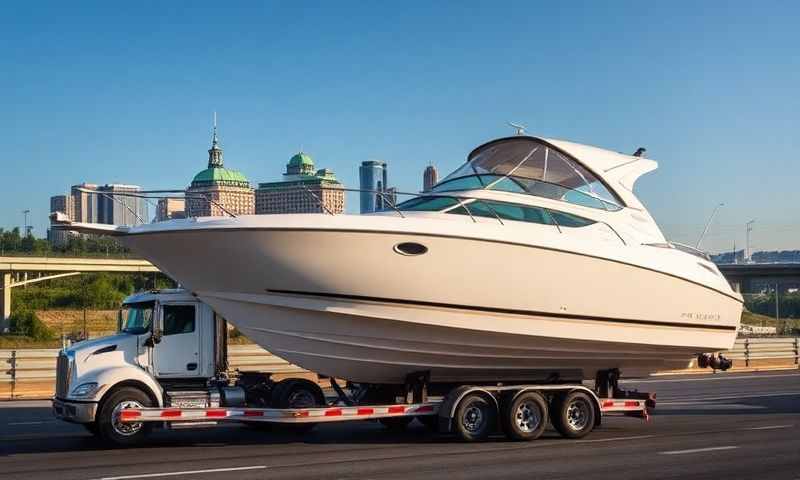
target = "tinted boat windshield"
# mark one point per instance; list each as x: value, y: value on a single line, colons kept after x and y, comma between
x: 137, y: 317
x: 525, y: 165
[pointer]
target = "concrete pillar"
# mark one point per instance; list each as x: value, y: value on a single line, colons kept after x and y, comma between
x: 5, y: 302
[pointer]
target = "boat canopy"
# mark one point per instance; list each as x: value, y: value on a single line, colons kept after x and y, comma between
x: 547, y: 168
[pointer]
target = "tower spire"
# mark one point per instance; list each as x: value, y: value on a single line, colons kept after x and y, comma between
x: 215, y: 153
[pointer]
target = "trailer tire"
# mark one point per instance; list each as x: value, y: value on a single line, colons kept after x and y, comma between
x: 298, y: 393
x: 524, y: 418
x: 108, y: 424
x: 573, y: 414
x: 475, y: 417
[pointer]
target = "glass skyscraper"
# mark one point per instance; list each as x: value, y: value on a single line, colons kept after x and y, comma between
x: 372, y: 176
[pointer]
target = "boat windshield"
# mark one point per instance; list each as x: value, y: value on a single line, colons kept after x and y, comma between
x: 525, y: 165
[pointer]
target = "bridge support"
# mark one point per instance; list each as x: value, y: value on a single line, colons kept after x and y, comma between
x: 5, y: 302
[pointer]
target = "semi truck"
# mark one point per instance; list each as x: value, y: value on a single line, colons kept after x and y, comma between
x: 167, y: 367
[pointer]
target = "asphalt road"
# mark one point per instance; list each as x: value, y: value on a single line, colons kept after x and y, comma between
x: 712, y: 426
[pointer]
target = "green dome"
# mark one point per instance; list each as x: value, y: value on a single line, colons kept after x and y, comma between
x: 219, y: 174
x: 301, y: 159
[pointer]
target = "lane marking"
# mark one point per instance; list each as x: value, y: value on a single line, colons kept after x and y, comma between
x: 710, y: 379
x: 185, y: 472
x: 40, y: 422
x: 730, y: 397
x: 698, y: 450
x: 770, y: 427
x: 614, y: 439
x: 706, y: 405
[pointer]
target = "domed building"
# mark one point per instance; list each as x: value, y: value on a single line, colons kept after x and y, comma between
x: 304, y: 189
x: 218, y: 191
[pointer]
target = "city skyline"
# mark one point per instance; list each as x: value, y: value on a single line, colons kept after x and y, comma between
x: 677, y: 87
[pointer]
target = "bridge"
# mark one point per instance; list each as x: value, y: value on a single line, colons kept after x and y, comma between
x: 20, y: 271
x: 758, y: 277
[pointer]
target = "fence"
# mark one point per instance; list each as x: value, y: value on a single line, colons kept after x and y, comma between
x: 20, y: 369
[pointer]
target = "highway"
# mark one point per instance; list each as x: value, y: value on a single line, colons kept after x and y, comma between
x: 744, y: 425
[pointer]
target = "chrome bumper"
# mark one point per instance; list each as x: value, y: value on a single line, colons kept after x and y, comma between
x: 75, y: 412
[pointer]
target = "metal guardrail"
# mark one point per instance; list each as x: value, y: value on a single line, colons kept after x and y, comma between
x: 39, y: 365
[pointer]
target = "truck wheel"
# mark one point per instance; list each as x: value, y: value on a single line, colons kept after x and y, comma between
x: 573, y: 414
x: 396, y: 424
x: 525, y: 417
x: 108, y: 424
x: 298, y: 393
x: 475, y: 417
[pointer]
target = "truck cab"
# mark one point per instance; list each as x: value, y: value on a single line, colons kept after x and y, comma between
x: 170, y: 349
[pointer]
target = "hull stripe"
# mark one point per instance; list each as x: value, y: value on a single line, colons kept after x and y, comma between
x: 475, y: 308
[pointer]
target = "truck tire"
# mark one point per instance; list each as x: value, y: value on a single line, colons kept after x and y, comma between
x: 524, y: 418
x: 475, y: 417
x: 108, y: 424
x: 298, y: 393
x: 573, y: 414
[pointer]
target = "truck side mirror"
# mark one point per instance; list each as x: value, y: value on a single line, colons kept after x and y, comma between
x: 153, y: 339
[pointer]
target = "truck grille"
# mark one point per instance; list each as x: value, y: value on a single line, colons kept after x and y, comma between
x: 63, y: 372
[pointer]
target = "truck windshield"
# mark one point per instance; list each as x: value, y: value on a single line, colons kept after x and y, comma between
x: 137, y: 317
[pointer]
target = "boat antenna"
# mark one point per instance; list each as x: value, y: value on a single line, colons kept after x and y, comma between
x: 640, y: 152
x: 708, y: 224
x: 519, y: 128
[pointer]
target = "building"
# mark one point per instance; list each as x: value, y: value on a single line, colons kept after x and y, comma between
x: 64, y: 204
x: 429, y: 178
x: 218, y: 191
x: 373, y: 178
x: 84, y: 203
x: 304, y: 189
x: 115, y: 208
x: 170, y: 208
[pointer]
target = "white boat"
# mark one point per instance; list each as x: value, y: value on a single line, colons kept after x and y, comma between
x: 534, y: 260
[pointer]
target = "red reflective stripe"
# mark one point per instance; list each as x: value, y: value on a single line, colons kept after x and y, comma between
x: 631, y: 403
x: 129, y: 414
x: 253, y: 413
x: 301, y: 413
x: 334, y: 412
x: 365, y: 411
x: 397, y: 409
x: 171, y: 413
x: 425, y: 408
x: 216, y: 413
x: 608, y: 403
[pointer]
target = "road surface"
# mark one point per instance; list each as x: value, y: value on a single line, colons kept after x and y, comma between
x: 711, y: 426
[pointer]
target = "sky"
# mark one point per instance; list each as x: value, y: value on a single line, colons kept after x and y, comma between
x: 109, y: 92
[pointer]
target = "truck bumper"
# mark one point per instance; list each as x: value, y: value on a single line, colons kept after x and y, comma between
x: 75, y: 412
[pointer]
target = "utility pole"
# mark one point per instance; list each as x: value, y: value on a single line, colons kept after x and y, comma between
x: 747, y: 252
x: 777, y: 305
x: 26, y: 212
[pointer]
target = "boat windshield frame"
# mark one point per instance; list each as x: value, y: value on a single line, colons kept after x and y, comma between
x: 505, y: 162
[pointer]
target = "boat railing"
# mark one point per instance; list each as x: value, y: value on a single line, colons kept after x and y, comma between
x: 681, y: 247
x: 387, y: 200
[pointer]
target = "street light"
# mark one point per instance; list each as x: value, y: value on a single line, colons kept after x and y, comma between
x: 708, y: 224
x: 747, y: 244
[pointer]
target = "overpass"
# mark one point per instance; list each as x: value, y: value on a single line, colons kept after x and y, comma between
x: 16, y: 272
x: 758, y: 277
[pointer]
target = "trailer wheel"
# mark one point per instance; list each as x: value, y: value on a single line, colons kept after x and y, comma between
x: 298, y: 393
x: 111, y: 428
x: 573, y: 414
x: 525, y: 417
x: 475, y: 417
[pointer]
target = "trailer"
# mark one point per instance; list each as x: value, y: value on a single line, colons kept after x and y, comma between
x: 167, y: 367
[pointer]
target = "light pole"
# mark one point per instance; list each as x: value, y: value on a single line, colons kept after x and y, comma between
x: 747, y: 244
x: 708, y: 224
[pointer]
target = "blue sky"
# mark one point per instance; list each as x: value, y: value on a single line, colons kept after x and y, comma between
x: 111, y: 92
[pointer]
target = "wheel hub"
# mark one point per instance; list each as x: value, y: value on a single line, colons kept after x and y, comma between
x: 577, y: 415
x: 124, y: 428
x: 527, y: 417
x: 473, y: 419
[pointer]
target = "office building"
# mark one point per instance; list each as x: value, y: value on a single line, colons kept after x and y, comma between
x: 170, y: 208
x: 429, y: 178
x: 373, y: 177
x: 64, y: 204
x: 116, y: 208
x: 304, y: 189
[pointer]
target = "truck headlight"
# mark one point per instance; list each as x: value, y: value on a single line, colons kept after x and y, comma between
x: 85, y: 390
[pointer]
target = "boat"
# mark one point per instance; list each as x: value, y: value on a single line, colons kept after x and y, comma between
x: 533, y: 261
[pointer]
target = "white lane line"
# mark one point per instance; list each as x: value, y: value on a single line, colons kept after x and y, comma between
x: 698, y: 450
x: 724, y: 376
x: 730, y: 397
x: 770, y: 427
x: 186, y: 472
x: 706, y: 406
x: 31, y: 423
x: 614, y: 439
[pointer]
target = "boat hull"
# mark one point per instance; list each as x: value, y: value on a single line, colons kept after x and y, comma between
x: 344, y: 303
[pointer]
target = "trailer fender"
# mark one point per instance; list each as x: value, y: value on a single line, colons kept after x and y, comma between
x: 450, y: 403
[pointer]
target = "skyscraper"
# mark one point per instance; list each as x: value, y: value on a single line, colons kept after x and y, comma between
x: 429, y: 178
x: 120, y: 209
x: 84, y: 203
x: 64, y: 204
x: 373, y: 177
x: 217, y: 189
x: 304, y: 189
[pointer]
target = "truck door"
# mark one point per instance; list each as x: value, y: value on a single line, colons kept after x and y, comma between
x: 178, y: 353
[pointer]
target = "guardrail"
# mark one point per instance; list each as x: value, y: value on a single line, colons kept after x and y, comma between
x: 29, y: 366
x: 24, y: 367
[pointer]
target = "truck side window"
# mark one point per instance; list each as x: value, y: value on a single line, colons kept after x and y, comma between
x: 178, y: 319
